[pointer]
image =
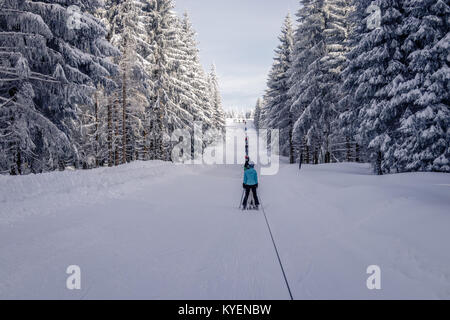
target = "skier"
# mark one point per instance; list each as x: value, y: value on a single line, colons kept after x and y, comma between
x: 247, y: 164
x: 250, y: 184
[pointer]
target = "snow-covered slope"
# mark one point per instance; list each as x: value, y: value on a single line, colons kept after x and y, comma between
x: 334, y: 221
x: 161, y: 231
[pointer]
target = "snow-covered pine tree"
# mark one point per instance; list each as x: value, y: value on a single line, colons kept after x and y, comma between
x: 262, y: 121
x: 196, y: 96
x: 94, y: 132
x: 257, y: 114
x: 191, y: 71
x: 278, y: 109
x: 167, y: 112
x: 336, y: 37
x: 308, y: 49
x: 216, y: 98
x: 319, y: 59
x: 376, y: 63
x: 128, y: 23
x: 348, y: 107
x: 180, y: 56
x: 49, y: 67
x: 421, y: 96
x: 171, y: 78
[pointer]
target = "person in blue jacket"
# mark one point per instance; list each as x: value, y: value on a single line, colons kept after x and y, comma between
x: 250, y: 184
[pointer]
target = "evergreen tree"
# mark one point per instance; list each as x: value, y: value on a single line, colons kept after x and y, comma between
x: 195, y: 78
x: 217, y: 109
x: 257, y: 114
x: 128, y: 23
x: 167, y: 112
x: 376, y: 63
x: 308, y: 50
x: 95, y: 85
x: 421, y: 96
x: 52, y: 58
x: 336, y: 34
x: 278, y: 109
x: 315, y: 78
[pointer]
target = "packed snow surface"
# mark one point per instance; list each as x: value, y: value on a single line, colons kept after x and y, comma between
x: 162, y: 231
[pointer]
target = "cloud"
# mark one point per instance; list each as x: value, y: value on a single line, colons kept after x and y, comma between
x: 242, y: 89
x: 239, y: 36
x: 243, y: 84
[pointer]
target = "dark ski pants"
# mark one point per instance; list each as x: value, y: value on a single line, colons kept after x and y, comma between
x: 247, y: 194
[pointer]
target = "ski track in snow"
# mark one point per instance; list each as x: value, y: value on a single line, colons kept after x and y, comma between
x: 161, y: 231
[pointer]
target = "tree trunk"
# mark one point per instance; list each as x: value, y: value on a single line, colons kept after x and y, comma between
x: 327, y: 153
x: 19, y: 161
x: 379, y: 164
x: 145, y: 155
x: 151, y: 146
x: 349, y: 151
x: 160, y: 147
x: 357, y: 153
x: 291, y: 142
x: 316, y: 156
x: 117, y: 128
x: 308, y: 158
x: 110, y: 134
x: 97, y: 140
x: 124, y: 118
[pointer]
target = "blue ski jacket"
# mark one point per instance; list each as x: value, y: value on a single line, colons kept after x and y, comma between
x: 250, y: 177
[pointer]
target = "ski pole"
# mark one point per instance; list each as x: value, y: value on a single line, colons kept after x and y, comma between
x: 242, y: 199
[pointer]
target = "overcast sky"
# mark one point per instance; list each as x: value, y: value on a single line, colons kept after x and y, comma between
x: 239, y: 36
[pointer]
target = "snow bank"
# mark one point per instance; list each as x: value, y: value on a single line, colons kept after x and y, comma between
x: 41, y: 194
